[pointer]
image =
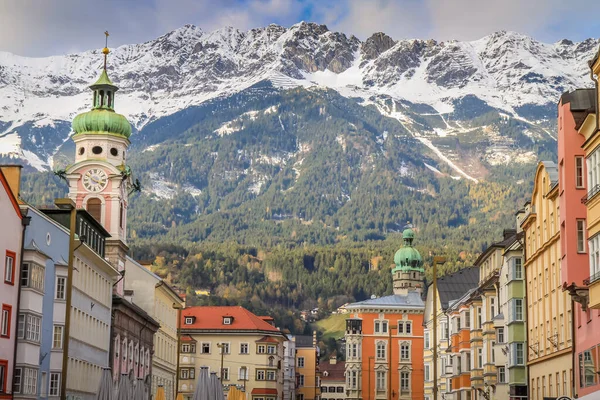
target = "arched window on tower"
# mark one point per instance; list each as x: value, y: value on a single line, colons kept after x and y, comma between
x: 95, y: 103
x: 102, y: 98
x: 108, y: 99
x: 94, y: 207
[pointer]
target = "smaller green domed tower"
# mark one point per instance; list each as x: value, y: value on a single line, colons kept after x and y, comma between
x: 408, y: 272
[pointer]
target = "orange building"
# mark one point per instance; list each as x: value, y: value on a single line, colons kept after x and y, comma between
x: 384, y: 336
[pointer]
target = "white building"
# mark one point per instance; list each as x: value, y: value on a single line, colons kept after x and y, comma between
x: 289, y: 369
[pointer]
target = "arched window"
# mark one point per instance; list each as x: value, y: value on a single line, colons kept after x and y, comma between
x: 381, y: 350
x: 95, y: 103
x: 124, y: 357
x: 94, y: 207
x: 117, y: 348
x: 101, y: 98
x: 271, y: 361
x: 108, y: 99
x: 137, y: 360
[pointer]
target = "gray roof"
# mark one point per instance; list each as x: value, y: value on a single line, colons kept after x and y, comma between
x: 454, y: 286
x: 32, y: 246
x: 552, y: 170
x: 304, y: 341
x: 412, y: 299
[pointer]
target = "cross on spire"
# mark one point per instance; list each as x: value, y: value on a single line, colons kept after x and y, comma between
x: 105, y: 50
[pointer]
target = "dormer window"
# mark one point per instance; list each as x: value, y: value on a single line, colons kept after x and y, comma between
x: 227, y: 320
x: 189, y: 320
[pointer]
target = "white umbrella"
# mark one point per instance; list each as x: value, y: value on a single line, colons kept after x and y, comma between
x: 106, y: 390
x: 202, y: 385
x: 139, y: 392
x: 125, y: 389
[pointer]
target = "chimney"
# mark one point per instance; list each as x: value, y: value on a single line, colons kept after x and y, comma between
x: 12, y: 173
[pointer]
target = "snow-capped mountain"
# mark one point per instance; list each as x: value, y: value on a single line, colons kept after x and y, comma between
x: 506, y: 71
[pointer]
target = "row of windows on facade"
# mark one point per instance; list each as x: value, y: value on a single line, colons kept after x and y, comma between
x: 165, y: 347
x: 243, y: 374
x: 500, y: 374
x: 130, y: 356
x: 500, y: 337
x: 354, y: 351
x: 25, y: 382
x: 550, y: 332
x: 353, y: 380
x: 466, y: 361
x: 404, y: 327
x: 224, y: 348
x: 541, y: 388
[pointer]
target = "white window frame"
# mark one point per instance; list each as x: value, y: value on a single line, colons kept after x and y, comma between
x: 60, y: 290
x: 500, y: 335
x: 594, y: 255
x: 60, y: 328
x: 404, y: 381
x: 246, y: 347
x: 581, y: 235
x: 4, y: 331
x: 300, y: 363
x: 189, y: 320
x: 381, y: 350
x: 405, y: 351
x: 579, y: 172
x: 427, y: 372
x: 9, y: 269
x: 54, y: 386
x: 501, y: 375
x: 426, y: 340
x: 380, y: 380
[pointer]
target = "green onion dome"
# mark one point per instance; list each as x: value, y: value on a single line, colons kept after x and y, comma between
x: 102, y: 121
x: 407, y: 257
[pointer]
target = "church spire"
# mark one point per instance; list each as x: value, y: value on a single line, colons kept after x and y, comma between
x: 105, y: 50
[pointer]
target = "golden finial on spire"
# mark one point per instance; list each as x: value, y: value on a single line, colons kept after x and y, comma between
x: 105, y: 50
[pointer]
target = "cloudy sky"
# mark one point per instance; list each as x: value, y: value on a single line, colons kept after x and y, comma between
x: 48, y: 27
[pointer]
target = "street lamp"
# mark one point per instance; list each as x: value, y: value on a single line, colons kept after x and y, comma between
x: 67, y: 204
x: 221, y: 346
x: 369, y: 375
x: 390, y: 391
x: 436, y: 260
x: 178, y: 307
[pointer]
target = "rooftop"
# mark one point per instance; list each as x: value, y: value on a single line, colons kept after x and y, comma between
x: 453, y: 286
x: 212, y: 318
x: 332, y: 372
x: 411, y: 299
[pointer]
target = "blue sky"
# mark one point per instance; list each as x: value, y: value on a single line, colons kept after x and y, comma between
x: 48, y: 27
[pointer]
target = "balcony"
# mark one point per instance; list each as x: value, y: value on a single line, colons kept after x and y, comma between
x: 593, y: 192
x: 593, y: 284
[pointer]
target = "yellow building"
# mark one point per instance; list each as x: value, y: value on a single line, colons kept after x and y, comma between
x: 548, y: 306
x: 154, y: 296
x: 308, y: 376
x: 241, y: 348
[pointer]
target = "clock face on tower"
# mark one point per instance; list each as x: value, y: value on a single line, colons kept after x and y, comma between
x: 95, y: 180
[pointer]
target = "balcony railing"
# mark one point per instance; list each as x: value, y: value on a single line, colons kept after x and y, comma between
x: 593, y: 191
x: 595, y: 277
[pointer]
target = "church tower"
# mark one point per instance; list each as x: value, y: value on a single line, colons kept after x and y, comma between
x: 408, y: 272
x: 99, y: 180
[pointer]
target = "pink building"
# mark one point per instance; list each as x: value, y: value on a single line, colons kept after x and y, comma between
x: 573, y: 108
x: 10, y: 248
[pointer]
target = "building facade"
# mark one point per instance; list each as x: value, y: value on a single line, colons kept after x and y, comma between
x: 384, y: 336
x: 333, y: 381
x: 549, y: 319
x: 449, y: 288
x: 10, y: 249
x: 240, y: 347
x: 308, y: 374
x: 289, y: 368
x: 574, y: 109
x: 161, y: 302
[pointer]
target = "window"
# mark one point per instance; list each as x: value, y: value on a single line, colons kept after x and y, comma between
x: 578, y: 172
x: 189, y: 320
x: 54, y: 384
x: 381, y: 350
x: 271, y: 349
x: 57, y: 337
x: 271, y: 376
x: 377, y: 325
x: 588, y: 369
x: 60, y: 287
x: 30, y: 377
x: 500, y: 335
x: 468, y: 361
x: 9, y: 268
x: 261, y: 349
x: 227, y: 320
x: 5, y: 324
x: 426, y: 340
x: 408, y: 327
x: 3, y: 375
x: 478, y: 318
x: 243, y: 373
x: 384, y: 327
x: 404, y: 351
x: 581, y: 236
x: 467, y: 319
x: 380, y: 380
x: 300, y: 380
x: 444, y: 330
x: 517, y: 356
x: 300, y: 362
x: 29, y: 327
x: 184, y: 373
x: 517, y: 268
x: 205, y: 348
x: 32, y: 276
x: 400, y: 328
x: 479, y: 357
x: 17, y: 380
x: 493, y: 352
x: 244, y: 348
x: 515, y: 308
x: 225, y: 374
x: 427, y: 372
x: 404, y: 381
x: 492, y: 307
x: 223, y: 348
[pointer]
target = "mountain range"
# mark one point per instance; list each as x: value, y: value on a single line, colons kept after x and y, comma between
x: 305, y: 124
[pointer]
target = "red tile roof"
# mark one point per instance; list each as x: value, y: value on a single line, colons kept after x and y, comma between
x: 264, y: 391
x: 211, y: 318
x: 335, y: 372
x: 187, y: 338
x: 267, y: 339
